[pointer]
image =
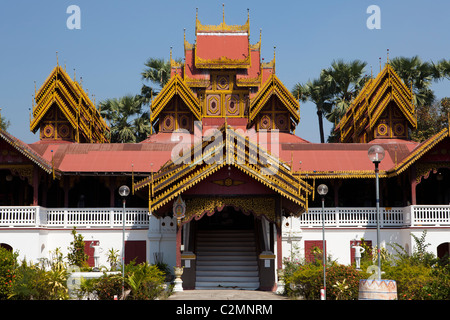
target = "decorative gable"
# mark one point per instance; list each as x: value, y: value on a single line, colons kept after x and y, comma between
x: 64, y: 112
x: 175, y: 107
x: 382, y: 110
x: 274, y: 107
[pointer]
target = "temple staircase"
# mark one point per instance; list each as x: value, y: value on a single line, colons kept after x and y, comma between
x: 226, y: 259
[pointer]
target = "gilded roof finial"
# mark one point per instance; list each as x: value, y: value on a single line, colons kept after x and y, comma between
x: 74, y: 75
x: 57, y: 58
x: 387, y: 55
x: 223, y: 13
x: 380, y: 62
x: 196, y: 20
x: 274, y: 50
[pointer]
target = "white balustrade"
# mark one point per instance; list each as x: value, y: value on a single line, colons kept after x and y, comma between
x: 73, y: 217
x: 430, y: 215
x: 18, y: 216
x: 35, y: 216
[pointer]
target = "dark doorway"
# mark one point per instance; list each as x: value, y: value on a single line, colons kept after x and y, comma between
x: 227, y: 219
x: 435, y: 189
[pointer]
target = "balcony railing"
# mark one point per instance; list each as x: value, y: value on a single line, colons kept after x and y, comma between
x: 73, y: 217
x: 411, y: 216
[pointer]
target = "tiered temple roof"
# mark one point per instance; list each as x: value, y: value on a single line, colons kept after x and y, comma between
x: 382, y: 110
x: 64, y: 112
x: 224, y: 84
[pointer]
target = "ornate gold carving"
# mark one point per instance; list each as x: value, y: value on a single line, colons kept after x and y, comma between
x: 223, y: 27
x: 372, y: 103
x: 256, y: 205
x: 423, y: 170
x: 222, y: 62
x: 228, y: 182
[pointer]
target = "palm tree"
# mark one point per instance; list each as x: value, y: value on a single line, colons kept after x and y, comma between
x: 318, y: 92
x: 443, y: 69
x: 418, y: 75
x: 157, y: 71
x: 345, y: 80
x: 127, y: 121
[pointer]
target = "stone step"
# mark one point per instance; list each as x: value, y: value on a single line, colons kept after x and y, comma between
x: 249, y: 285
x: 220, y: 257
x: 226, y: 273
x: 222, y: 267
x: 209, y: 262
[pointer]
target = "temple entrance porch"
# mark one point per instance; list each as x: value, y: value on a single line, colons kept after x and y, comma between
x: 229, y: 248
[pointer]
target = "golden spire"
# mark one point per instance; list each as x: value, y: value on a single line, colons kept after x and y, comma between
x: 274, y: 50
x: 387, y: 55
x: 223, y: 13
x: 57, y: 58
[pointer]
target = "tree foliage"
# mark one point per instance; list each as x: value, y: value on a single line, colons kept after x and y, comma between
x: 336, y: 86
x: 128, y: 122
x: 76, y: 255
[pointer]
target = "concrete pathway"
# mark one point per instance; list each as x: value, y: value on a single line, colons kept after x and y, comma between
x: 226, y: 294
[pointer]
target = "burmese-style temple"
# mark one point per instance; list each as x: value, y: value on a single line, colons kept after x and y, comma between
x: 222, y: 187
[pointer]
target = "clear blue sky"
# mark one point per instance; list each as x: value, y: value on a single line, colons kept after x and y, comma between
x: 116, y: 38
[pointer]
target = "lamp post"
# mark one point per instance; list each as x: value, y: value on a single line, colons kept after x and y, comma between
x: 376, y: 155
x: 124, y: 191
x: 323, y: 190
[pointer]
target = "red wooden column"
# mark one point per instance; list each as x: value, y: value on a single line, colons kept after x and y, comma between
x: 278, y: 219
x: 413, y: 180
x: 279, y: 245
x: 35, y: 186
x: 178, y: 246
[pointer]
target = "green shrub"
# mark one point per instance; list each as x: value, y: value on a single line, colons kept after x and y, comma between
x: 304, y: 281
x: 107, y: 286
x: 8, y: 264
x: 343, y: 282
x: 76, y: 255
x: 35, y: 283
x: 145, y: 281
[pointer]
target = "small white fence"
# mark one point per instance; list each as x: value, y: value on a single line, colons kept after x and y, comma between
x: 73, y: 217
x: 411, y: 216
x: 35, y: 216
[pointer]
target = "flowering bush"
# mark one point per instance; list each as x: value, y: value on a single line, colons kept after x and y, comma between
x: 107, y: 286
x: 8, y: 262
x: 336, y: 275
x: 306, y: 279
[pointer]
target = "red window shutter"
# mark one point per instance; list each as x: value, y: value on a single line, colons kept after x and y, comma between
x: 135, y: 250
x: 310, y: 256
x: 90, y: 252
